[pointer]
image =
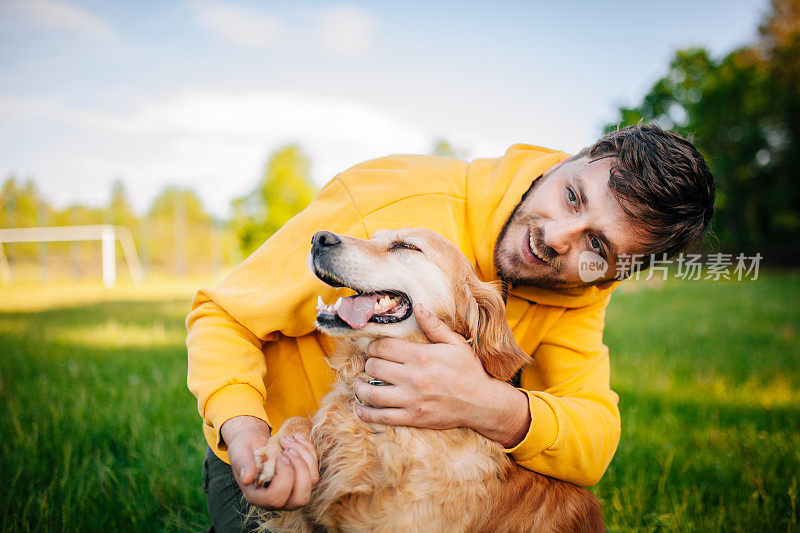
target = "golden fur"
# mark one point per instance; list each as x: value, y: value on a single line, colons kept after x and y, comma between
x: 391, y: 478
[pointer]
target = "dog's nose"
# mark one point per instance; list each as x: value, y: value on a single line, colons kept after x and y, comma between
x: 324, y: 239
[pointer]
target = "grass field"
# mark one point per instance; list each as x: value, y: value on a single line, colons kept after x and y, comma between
x: 98, y: 431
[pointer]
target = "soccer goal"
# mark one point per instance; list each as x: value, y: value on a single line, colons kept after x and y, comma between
x: 107, y: 234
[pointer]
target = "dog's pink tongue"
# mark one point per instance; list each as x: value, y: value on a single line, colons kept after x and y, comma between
x: 356, y: 310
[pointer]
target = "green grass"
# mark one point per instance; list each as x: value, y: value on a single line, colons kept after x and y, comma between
x: 98, y: 431
x: 708, y: 375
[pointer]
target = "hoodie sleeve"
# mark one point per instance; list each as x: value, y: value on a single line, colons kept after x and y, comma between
x: 271, y: 294
x: 575, y: 421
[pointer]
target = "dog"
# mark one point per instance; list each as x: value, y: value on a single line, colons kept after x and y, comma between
x: 382, y: 478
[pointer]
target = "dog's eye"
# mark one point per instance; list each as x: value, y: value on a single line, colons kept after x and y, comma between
x: 395, y: 245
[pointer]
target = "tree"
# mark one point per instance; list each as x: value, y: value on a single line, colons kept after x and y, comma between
x: 20, y: 203
x: 742, y: 112
x: 179, y: 228
x: 119, y: 211
x: 444, y: 148
x: 21, y: 206
x: 780, y: 48
x: 285, y: 190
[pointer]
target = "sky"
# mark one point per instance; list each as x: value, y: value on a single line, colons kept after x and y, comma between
x: 198, y: 93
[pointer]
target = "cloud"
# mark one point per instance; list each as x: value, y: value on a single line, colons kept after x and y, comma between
x: 243, y: 26
x: 215, y: 143
x: 339, y: 30
x: 346, y: 30
x: 52, y: 15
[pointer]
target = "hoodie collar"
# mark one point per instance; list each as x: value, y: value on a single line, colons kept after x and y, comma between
x: 494, y: 188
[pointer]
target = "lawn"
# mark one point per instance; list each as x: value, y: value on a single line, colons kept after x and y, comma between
x: 99, y: 432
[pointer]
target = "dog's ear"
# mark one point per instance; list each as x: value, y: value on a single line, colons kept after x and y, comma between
x: 489, y: 334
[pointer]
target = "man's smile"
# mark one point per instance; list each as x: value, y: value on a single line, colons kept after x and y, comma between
x: 530, y: 251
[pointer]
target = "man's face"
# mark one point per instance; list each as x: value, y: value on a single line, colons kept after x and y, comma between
x: 568, y: 211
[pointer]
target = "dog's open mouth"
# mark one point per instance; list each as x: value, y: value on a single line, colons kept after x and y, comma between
x: 355, y: 311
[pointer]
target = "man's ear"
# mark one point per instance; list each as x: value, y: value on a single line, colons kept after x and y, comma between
x: 490, y: 335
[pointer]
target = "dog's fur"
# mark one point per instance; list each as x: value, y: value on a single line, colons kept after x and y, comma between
x: 390, y: 478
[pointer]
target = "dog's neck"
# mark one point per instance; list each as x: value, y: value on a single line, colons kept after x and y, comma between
x: 350, y: 355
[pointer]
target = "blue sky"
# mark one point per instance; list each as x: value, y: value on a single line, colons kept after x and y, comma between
x: 199, y: 92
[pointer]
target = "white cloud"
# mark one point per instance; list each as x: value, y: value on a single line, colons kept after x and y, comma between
x: 52, y: 15
x: 346, y: 30
x: 214, y: 143
x: 340, y: 30
x: 240, y: 25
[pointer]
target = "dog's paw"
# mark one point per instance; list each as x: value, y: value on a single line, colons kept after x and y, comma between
x: 266, y: 457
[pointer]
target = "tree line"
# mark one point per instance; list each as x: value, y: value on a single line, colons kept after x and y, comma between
x: 743, y: 113
x: 176, y: 236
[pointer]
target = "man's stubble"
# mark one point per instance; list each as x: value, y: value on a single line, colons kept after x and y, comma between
x: 509, y: 265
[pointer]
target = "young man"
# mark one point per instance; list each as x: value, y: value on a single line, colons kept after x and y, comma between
x: 525, y: 219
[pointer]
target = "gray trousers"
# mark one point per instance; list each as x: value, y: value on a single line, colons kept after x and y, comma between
x: 227, y: 507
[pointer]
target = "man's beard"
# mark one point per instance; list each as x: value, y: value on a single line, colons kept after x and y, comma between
x: 509, y: 263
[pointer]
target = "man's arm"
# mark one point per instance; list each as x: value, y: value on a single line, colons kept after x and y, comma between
x: 271, y: 293
x: 226, y: 368
x: 240, y: 406
x: 574, y: 400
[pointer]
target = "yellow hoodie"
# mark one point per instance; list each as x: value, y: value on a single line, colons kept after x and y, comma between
x: 253, y: 349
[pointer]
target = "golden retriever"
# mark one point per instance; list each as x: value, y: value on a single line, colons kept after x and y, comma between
x: 382, y: 478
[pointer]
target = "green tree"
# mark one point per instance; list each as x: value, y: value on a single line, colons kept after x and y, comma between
x: 779, y: 46
x: 77, y: 215
x: 20, y: 203
x: 445, y: 148
x: 178, y: 232
x: 21, y: 206
x: 285, y: 190
x: 742, y: 112
x: 119, y: 211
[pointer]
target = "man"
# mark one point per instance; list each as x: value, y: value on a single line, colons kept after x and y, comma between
x: 525, y: 218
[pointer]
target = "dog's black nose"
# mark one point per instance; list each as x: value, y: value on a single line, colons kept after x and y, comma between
x: 324, y: 239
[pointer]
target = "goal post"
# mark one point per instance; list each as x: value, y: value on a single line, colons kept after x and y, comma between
x: 107, y: 234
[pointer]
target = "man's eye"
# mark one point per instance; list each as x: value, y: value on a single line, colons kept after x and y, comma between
x: 571, y: 197
x: 402, y: 244
x: 596, y: 246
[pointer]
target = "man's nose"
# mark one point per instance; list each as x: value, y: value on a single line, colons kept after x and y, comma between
x: 561, y: 235
x: 323, y: 240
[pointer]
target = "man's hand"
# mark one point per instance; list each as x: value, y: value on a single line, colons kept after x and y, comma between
x: 440, y: 386
x: 296, y: 471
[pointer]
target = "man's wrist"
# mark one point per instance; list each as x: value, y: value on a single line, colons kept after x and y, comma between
x: 507, y: 417
x: 238, y: 424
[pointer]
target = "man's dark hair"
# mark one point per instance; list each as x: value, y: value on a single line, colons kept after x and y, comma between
x: 661, y: 182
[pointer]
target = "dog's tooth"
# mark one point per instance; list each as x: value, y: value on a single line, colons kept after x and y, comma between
x: 338, y: 302
x: 319, y: 301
